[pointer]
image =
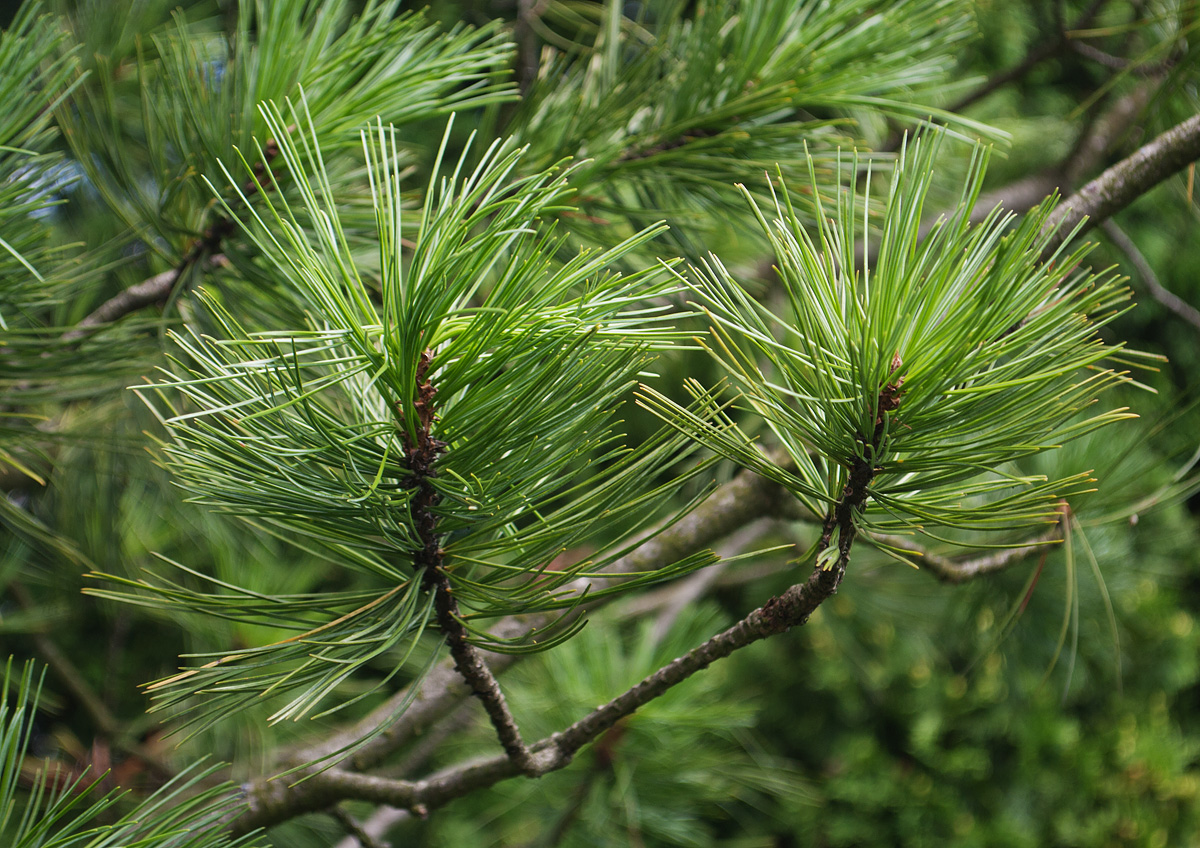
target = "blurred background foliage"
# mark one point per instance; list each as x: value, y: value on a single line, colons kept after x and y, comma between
x: 1054, y: 703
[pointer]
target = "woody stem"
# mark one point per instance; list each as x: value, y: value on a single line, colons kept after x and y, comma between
x: 423, y: 450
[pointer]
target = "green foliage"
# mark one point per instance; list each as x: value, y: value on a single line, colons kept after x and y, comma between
x: 931, y: 370
x: 198, y: 92
x: 319, y: 432
x: 388, y: 374
x: 61, y: 813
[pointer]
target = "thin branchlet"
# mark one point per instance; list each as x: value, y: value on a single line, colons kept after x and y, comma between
x: 422, y: 450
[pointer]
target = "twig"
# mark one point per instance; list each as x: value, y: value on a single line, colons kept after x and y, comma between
x: 745, y: 498
x: 424, y: 748
x: 272, y: 802
x: 151, y: 291
x: 568, y: 818
x: 1118, y: 63
x: 1105, y: 195
x: 1158, y: 291
x: 376, y: 825
x: 668, y: 601
x: 1085, y: 156
x: 205, y: 251
x: 1055, y: 45
x: 1027, y: 192
x: 948, y: 570
x: 1033, y: 58
x: 66, y: 670
x: 154, y: 290
x: 356, y: 830
x: 524, y: 34
x: 1036, y: 55
x: 422, y: 451
x: 1094, y: 143
x: 1124, y: 182
x: 276, y: 801
x: 469, y: 662
x: 791, y: 609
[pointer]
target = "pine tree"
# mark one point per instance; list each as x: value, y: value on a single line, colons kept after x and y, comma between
x: 365, y: 369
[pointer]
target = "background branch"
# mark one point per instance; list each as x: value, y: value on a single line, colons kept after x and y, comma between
x: 1086, y: 155
x: 151, y: 291
x: 528, y: 44
x: 1157, y: 290
x: 1126, y: 181
x: 1056, y: 45
x: 1119, y: 63
x: 949, y: 570
x: 107, y: 724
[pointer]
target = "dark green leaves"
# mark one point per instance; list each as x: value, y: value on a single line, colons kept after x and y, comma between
x: 190, y: 811
x: 672, y: 108
x: 199, y: 93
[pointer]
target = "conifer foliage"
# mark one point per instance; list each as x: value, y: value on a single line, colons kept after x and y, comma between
x: 360, y: 355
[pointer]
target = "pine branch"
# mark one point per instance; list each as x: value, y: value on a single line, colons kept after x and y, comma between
x: 862, y: 435
x: 791, y: 609
x: 682, y: 595
x: 1125, y: 182
x: 275, y: 801
x: 205, y: 253
x: 948, y: 570
x: 742, y: 500
x: 1057, y: 45
x: 1101, y: 135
